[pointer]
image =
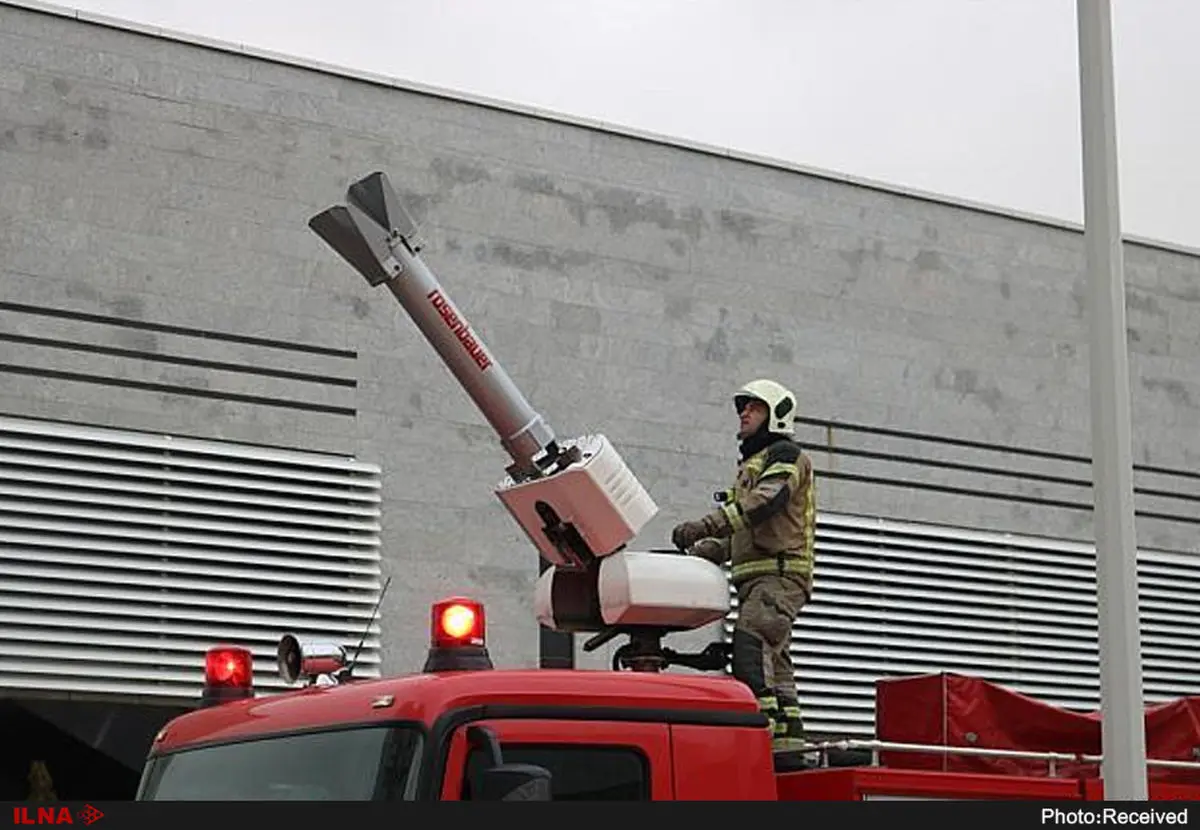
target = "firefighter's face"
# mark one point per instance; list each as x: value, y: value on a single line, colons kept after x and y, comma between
x: 751, y: 417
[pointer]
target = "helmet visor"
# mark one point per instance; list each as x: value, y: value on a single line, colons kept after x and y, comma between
x: 740, y: 402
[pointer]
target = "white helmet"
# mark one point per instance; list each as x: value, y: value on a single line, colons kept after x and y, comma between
x: 781, y: 404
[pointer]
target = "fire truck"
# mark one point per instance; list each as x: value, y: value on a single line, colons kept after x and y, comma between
x: 462, y: 729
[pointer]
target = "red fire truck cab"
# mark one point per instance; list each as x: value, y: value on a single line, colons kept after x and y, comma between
x: 463, y: 730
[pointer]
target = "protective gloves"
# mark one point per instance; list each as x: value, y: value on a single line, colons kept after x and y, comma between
x: 689, y: 533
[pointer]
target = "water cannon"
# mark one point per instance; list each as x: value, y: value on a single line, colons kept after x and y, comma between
x: 575, y: 499
x: 228, y: 675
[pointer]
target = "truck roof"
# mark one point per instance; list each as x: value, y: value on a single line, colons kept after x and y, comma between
x: 424, y: 697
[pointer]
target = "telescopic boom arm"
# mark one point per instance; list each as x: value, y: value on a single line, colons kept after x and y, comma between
x: 376, y: 235
x: 575, y: 499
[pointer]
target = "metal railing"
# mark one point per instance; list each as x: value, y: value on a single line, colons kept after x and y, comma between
x: 1052, y: 759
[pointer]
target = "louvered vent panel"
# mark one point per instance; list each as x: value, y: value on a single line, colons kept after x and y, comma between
x: 124, y: 556
x: 895, y: 598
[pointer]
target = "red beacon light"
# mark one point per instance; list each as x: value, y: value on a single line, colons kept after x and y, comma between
x: 458, y: 640
x: 228, y: 675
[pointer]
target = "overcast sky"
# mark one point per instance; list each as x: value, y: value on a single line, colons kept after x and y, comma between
x: 973, y: 98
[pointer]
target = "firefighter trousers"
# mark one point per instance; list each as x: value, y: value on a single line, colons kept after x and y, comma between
x: 767, y: 608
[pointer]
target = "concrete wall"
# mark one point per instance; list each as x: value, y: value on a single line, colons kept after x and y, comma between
x: 153, y: 200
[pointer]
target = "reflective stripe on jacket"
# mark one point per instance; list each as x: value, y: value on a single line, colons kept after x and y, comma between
x: 771, y: 514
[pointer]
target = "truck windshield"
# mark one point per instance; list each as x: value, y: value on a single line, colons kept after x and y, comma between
x: 355, y: 764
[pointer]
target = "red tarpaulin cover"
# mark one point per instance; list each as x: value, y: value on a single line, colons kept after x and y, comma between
x: 953, y: 710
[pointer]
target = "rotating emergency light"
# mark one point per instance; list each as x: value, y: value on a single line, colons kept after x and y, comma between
x: 458, y: 622
x: 457, y: 636
x: 228, y: 675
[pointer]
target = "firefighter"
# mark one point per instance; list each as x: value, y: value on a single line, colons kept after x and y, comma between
x: 764, y: 526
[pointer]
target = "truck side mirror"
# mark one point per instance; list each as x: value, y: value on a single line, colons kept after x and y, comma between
x: 514, y: 782
x: 481, y: 737
x: 506, y: 782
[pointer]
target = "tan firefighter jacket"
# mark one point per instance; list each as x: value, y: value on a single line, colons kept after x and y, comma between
x: 766, y: 521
